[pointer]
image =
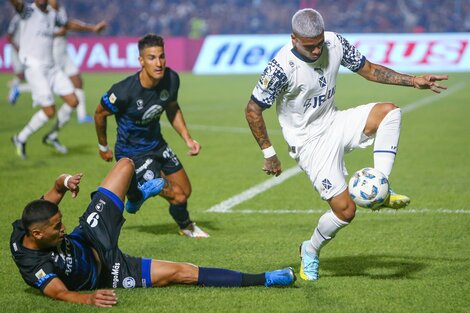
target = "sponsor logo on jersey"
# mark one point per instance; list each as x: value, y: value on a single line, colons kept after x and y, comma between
x: 128, y: 282
x: 100, y: 205
x: 112, y: 98
x: 322, y: 81
x: 144, y: 166
x: 140, y: 104
x: 107, y: 101
x: 326, y: 184
x: 164, y: 95
x: 115, y: 274
x: 40, y: 274
x: 149, y: 175
x: 151, y: 114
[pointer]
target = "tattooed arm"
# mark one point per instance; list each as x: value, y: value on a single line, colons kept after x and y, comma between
x: 254, y: 116
x: 381, y: 74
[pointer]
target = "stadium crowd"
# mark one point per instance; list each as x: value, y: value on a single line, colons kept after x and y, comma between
x: 197, y: 18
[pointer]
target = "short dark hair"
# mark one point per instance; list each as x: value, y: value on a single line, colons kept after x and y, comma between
x: 150, y: 40
x: 38, y: 211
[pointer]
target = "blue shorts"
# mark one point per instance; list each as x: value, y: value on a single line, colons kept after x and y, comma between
x: 101, y: 225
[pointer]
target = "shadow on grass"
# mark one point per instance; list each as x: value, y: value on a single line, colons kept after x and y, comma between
x: 372, y: 266
x: 170, y: 228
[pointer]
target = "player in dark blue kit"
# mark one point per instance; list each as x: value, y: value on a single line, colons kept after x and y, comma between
x: 89, y: 258
x: 137, y: 103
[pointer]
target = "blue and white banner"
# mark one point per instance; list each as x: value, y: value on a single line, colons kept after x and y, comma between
x: 411, y: 53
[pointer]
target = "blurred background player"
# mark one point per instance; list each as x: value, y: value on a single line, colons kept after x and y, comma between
x: 18, y: 84
x: 137, y: 103
x: 38, y: 20
x: 301, y: 81
x: 94, y: 260
x: 63, y: 60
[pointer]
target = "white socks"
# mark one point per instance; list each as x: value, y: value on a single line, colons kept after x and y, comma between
x: 328, y: 225
x: 81, y: 108
x: 37, y: 121
x: 386, y: 142
x: 63, y: 116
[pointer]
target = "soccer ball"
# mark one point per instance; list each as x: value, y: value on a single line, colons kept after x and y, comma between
x: 369, y: 188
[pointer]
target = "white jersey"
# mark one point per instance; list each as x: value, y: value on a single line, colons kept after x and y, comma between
x: 14, y: 29
x: 60, y: 42
x: 304, y: 90
x: 36, y: 35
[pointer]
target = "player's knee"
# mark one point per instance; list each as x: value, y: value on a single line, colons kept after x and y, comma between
x: 178, y: 195
x: 126, y: 162
x: 347, y: 212
x: 386, y: 107
x: 49, y: 111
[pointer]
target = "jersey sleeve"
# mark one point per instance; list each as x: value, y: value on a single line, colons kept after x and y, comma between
x: 352, y: 58
x: 113, y: 100
x: 61, y: 18
x: 272, y: 82
x: 38, y: 276
x: 174, y: 86
x: 14, y: 24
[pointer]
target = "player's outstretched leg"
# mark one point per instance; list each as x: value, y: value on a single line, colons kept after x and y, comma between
x: 282, y: 277
x: 309, y: 263
x: 149, y: 189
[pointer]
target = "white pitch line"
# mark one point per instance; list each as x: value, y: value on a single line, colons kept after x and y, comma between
x: 359, y: 211
x: 432, y: 98
x: 227, y: 205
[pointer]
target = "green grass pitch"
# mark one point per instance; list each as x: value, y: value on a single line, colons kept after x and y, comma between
x: 416, y: 260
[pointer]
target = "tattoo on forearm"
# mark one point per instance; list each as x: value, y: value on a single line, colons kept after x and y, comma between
x: 388, y: 76
x: 257, y: 126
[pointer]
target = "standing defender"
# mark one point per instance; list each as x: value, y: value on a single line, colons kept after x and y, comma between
x: 301, y: 80
x: 137, y: 103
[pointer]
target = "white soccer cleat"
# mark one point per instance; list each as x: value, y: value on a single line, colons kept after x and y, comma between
x: 193, y: 231
x: 55, y: 143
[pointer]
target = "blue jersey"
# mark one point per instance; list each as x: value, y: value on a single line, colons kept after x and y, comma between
x: 73, y: 261
x: 137, y: 111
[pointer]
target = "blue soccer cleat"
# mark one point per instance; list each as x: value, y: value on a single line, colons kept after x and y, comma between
x: 309, y: 263
x: 85, y: 119
x: 13, y: 94
x: 283, y: 277
x: 149, y: 189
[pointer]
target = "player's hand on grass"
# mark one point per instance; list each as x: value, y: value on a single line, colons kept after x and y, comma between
x: 106, y: 155
x: 272, y: 166
x: 103, y: 298
x: 194, y: 147
x: 428, y: 81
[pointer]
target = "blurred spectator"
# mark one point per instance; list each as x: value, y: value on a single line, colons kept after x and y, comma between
x: 198, y: 18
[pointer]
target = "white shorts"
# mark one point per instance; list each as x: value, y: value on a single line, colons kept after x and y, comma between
x: 45, y: 81
x: 65, y: 62
x: 18, y: 67
x: 323, y: 158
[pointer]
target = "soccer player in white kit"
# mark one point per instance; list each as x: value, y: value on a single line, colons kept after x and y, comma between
x: 301, y: 80
x: 65, y: 62
x: 37, y: 24
x: 18, y: 83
